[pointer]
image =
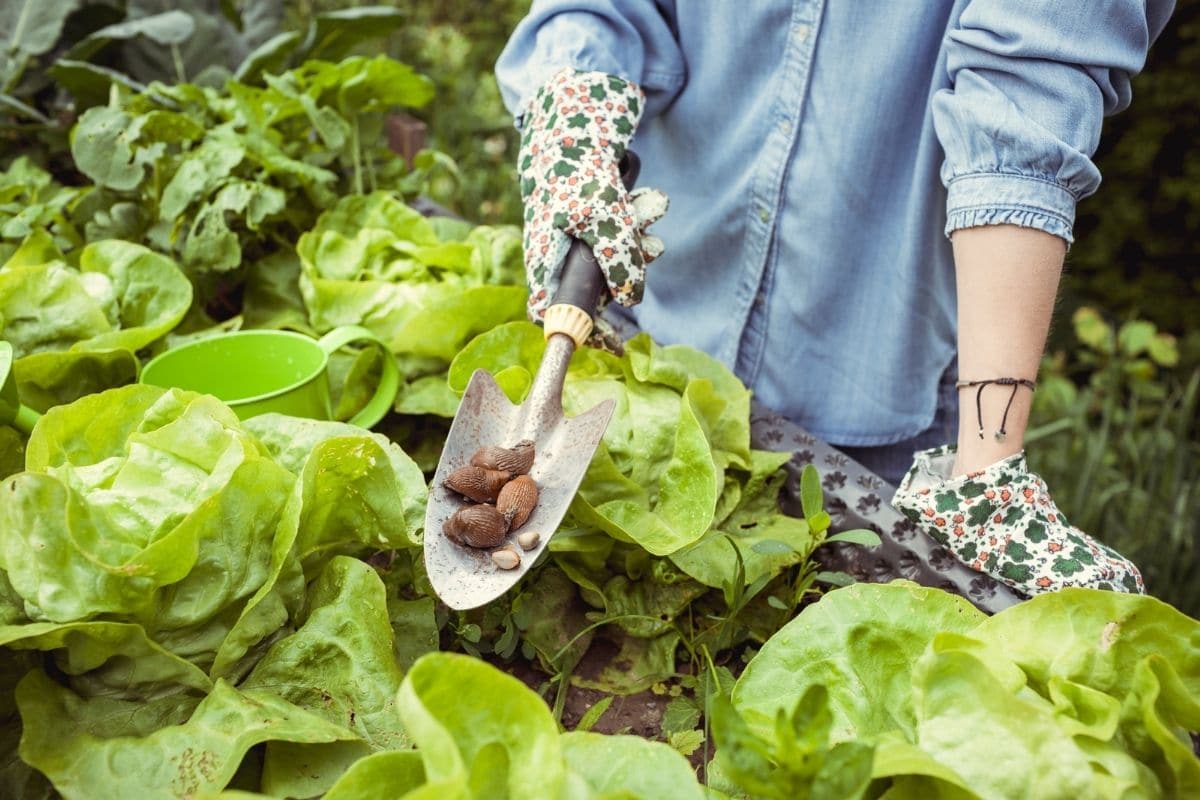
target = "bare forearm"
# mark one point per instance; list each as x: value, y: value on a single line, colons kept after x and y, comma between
x: 1007, y: 282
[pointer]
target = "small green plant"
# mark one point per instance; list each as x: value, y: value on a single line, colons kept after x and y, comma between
x: 1114, y: 435
x: 797, y: 761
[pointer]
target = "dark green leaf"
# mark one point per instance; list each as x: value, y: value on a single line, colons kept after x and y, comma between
x: 167, y: 28
x: 772, y: 547
x: 31, y: 27
x: 810, y: 491
x: 90, y: 84
x: 334, y: 33
x: 834, y: 578
x: 593, y: 714
x: 862, y: 536
x: 23, y: 109
x: 269, y: 57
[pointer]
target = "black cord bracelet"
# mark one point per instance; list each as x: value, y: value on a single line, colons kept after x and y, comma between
x: 1016, y: 383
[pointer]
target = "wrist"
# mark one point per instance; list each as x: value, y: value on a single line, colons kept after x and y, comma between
x: 993, y: 416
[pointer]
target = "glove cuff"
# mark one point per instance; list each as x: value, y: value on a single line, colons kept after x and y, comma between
x: 576, y: 104
x: 934, y: 469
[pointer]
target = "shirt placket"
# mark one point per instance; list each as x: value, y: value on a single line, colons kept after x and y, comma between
x: 745, y: 351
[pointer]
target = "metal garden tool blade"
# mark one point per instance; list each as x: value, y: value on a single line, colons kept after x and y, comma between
x: 466, y: 577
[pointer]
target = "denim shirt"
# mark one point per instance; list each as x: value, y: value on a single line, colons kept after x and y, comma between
x: 802, y: 143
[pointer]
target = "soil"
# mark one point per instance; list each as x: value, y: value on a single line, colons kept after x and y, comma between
x: 640, y: 714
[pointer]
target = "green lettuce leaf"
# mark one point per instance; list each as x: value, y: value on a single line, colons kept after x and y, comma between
x: 860, y: 642
x: 373, y: 261
x: 767, y: 540
x: 498, y: 739
x: 115, y: 518
x: 339, y: 667
x: 49, y: 379
x: 392, y: 483
x: 12, y: 451
x: 1094, y: 638
x: 75, y: 331
x: 335, y: 461
x: 628, y: 766
x: 122, y: 296
x: 1075, y: 693
x: 477, y: 727
x: 73, y: 743
x: 132, y: 660
x: 387, y: 774
x: 1086, y: 648
x: 1007, y: 743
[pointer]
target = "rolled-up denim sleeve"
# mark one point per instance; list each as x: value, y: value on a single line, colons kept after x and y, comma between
x: 628, y: 38
x: 1031, y: 81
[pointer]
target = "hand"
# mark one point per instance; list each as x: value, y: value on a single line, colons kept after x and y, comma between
x: 575, y: 133
x: 1002, y: 520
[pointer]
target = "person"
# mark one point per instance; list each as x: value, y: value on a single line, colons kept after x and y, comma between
x: 870, y: 211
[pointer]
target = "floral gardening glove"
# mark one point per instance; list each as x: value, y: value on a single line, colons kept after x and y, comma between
x: 575, y: 133
x: 1001, y: 520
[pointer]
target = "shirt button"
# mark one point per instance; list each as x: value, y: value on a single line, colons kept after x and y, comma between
x: 801, y: 33
x: 763, y: 214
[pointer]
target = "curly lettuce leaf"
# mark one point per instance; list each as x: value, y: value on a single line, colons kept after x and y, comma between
x: 116, y: 517
x: 477, y: 727
x: 122, y: 296
x: 628, y: 766
x: 860, y: 642
x: 340, y: 667
x: 766, y: 540
x: 73, y: 745
x: 373, y: 261
x: 398, y: 484
x: 387, y: 774
x: 129, y: 658
x: 1076, y: 693
x: 1086, y: 649
x: 75, y: 331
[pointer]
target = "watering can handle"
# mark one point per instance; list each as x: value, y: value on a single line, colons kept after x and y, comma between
x: 11, y: 410
x: 582, y: 282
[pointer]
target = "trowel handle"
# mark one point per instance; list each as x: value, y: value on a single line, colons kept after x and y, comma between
x: 582, y: 282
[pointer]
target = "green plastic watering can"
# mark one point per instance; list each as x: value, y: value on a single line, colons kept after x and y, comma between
x: 261, y: 371
x: 253, y: 372
x: 11, y: 410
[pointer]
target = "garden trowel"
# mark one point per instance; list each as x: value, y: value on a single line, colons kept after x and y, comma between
x: 465, y: 577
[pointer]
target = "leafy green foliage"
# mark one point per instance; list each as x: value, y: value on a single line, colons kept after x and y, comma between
x: 457, y: 47
x: 75, y: 330
x: 1063, y: 695
x: 225, y: 178
x: 499, y: 740
x: 1114, y: 433
x: 31, y: 201
x: 88, y: 47
x: 1136, y: 251
x: 797, y: 761
x: 187, y: 580
x: 375, y: 262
